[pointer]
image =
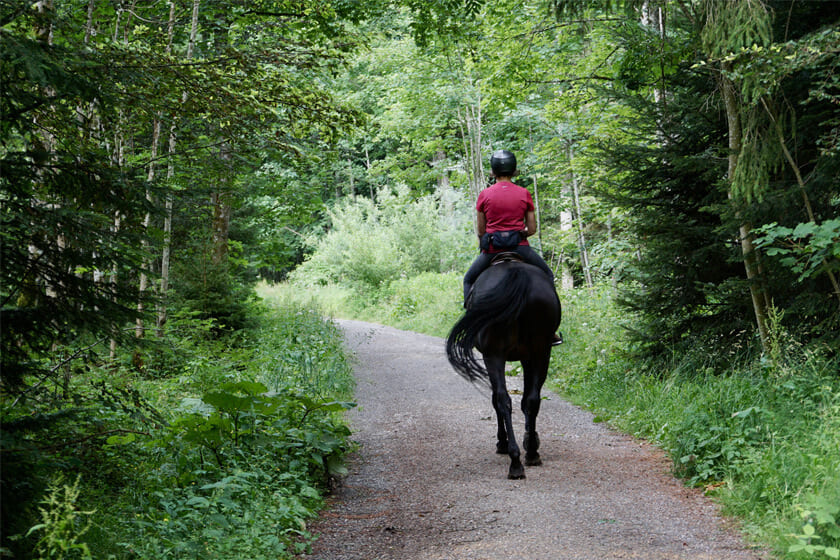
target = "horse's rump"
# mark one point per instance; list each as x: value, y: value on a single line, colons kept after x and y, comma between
x: 511, y: 302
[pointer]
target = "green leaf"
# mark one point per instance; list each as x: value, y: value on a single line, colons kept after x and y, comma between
x: 121, y: 439
x: 746, y: 412
x: 198, y: 501
x: 227, y: 402
x: 251, y: 388
x: 804, y: 230
x: 336, y: 406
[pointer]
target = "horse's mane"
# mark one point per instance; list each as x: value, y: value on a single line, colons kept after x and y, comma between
x: 488, y: 308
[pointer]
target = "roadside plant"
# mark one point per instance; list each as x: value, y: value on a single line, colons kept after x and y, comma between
x: 820, y: 533
x: 62, y: 524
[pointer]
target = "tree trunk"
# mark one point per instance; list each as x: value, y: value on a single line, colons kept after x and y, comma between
x: 748, y: 249
x: 443, y: 176
x: 584, y: 254
x: 537, y: 213
x: 471, y: 131
x: 567, y: 280
x: 221, y: 225
x: 140, y: 330
x: 89, y: 22
x: 170, y: 172
x: 801, y: 183
x: 653, y: 17
x: 221, y: 211
x: 113, y: 343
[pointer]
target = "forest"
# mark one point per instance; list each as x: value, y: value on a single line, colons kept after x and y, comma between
x: 191, y: 190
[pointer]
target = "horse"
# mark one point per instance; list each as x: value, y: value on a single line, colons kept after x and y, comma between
x: 512, y: 315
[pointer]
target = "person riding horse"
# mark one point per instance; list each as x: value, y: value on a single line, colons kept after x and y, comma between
x: 505, y: 219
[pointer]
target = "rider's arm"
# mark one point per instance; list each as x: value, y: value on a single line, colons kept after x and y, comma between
x: 481, y: 224
x: 530, y: 223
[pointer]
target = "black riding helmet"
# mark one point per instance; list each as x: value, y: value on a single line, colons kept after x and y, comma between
x: 503, y: 163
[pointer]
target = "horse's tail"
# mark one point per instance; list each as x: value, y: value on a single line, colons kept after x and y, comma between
x: 499, y: 307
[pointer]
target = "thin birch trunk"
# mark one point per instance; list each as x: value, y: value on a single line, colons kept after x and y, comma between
x: 471, y: 127
x: 140, y: 330
x: 222, y: 211
x: 119, y: 159
x: 653, y: 17
x: 748, y: 249
x: 584, y: 254
x: 567, y: 280
x: 113, y: 344
x: 170, y: 172
x: 89, y: 22
x: 537, y: 213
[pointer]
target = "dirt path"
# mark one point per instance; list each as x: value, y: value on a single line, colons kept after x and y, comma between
x: 426, y: 483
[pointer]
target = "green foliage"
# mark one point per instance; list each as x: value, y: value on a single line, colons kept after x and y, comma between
x: 762, y: 436
x: 685, y: 286
x: 61, y: 525
x: 808, y: 250
x: 243, y: 515
x: 732, y: 26
x: 303, y: 357
x: 436, y: 19
x: 271, y: 454
x: 117, y: 124
x: 228, y: 456
x: 67, y: 269
x: 371, y: 244
x: 215, y: 292
x: 820, y: 533
x: 243, y: 417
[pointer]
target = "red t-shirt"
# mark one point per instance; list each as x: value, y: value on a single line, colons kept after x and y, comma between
x: 505, y: 205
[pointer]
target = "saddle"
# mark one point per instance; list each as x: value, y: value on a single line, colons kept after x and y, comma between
x: 506, y: 257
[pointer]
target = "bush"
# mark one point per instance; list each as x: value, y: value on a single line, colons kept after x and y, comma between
x: 371, y: 244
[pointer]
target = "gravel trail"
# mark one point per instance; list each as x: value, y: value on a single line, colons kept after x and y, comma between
x: 426, y: 483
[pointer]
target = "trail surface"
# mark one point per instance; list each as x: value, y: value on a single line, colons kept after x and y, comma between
x: 426, y: 482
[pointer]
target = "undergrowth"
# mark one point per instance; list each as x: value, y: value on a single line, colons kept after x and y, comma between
x: 762, y: 437
x: 216, y: 448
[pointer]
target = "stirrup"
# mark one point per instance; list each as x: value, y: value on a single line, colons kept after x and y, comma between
x: 558, y: 339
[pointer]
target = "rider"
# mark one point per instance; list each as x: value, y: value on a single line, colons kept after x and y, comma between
x: 507, y: 210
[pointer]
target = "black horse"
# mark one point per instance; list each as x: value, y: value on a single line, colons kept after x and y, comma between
x: 512, y: 315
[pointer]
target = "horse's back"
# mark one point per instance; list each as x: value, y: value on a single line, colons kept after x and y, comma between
x: 532, y: 326
x: 537, y: 286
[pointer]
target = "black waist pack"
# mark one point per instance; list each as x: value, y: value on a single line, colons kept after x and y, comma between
x: 501, y: 240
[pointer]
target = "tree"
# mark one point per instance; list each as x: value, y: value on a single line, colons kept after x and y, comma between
x: 730, y: 27
x: 61, y: 190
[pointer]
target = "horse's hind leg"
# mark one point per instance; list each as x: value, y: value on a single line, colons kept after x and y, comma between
x: 501, y: 431
x: 504, y: 409
x: 534, y: 373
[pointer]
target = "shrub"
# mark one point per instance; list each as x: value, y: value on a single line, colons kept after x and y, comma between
x: 371, y: 244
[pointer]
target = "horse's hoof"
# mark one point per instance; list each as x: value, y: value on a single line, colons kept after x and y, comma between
x: 533, y: 462
x: 516, y: 471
